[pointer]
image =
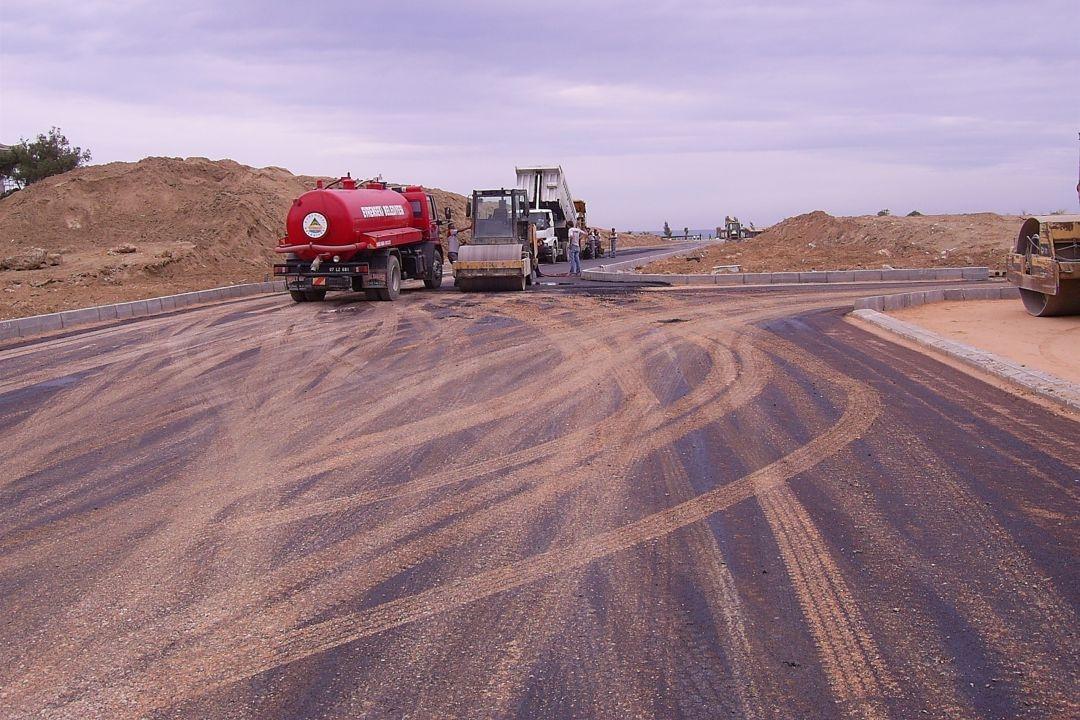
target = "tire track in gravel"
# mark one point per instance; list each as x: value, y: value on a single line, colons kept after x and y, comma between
x: 1021, y: 633
x: 430, y: 524
x: 423, y: 547
x: 722, y: 596
x: 452, y: 475
x: 168, y: 364
x: 859, y: 679
x: 248, y: 658
x: 317, y: 563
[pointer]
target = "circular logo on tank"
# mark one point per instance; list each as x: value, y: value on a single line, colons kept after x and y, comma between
x: 315, y: 225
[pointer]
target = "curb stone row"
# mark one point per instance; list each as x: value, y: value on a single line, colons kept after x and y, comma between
x: 883, y: 303
x: 37, y: 324
x: 1041, y: 383
x: 786, y: 278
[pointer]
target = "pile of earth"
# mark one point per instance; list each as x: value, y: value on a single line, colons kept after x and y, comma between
x: 123, y: 231
x: 819, y: 241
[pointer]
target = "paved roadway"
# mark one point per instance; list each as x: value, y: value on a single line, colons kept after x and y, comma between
x: 564, y: 503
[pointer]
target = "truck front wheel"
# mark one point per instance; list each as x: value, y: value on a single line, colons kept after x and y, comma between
x: 433, y: 276
x: 393, y: 279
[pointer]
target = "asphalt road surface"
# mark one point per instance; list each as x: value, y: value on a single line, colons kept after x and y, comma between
x: 563, y: 503
x: 562, y: 268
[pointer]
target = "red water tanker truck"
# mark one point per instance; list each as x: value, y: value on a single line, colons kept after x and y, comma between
x: 360, y: 237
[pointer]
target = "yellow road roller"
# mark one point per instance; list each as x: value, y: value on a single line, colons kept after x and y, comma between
x: 1046, y: 265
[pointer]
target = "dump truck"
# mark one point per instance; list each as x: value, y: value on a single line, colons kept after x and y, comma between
x: 1045, y: 265
x: 354, y: 236
x: 546, y: 189
x: 502, y: 252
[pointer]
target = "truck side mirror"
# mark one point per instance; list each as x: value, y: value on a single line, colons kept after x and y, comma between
x: 446, y: 213
x: 468, y: 210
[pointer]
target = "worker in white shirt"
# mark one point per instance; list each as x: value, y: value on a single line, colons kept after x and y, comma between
x: 454, y: 242
x: 576, y: 234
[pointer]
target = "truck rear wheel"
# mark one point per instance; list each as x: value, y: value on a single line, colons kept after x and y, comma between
x: 393, y: 279
x: 433, y: 277
x: 298, y: 295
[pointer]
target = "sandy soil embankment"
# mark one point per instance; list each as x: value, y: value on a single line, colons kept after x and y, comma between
x: 1004, y: 328
x: 818, y: 241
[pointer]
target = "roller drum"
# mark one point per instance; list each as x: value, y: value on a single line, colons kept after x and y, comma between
x: 1066, y: 302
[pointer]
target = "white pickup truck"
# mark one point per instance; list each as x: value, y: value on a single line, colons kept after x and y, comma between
x: 546, y: 240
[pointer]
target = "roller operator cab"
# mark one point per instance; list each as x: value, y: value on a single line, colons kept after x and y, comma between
x: 360, y: 237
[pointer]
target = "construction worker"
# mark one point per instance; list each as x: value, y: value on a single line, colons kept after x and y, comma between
x: 454, y: 244
x: 453, y: 240
x: 576, y: 234
x: 614, y: 241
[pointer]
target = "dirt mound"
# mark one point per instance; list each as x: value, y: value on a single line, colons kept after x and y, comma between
x: 819, y: 241
x: 183, y: 224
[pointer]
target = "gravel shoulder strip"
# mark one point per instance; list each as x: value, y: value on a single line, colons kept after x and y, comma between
x: 38, y: 324
x: 1043, y: 384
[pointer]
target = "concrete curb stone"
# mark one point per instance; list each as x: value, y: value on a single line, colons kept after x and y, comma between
x: 37, y: 324
x: 901, y: 300
x: 1043, y: 384
x: 616, y: 273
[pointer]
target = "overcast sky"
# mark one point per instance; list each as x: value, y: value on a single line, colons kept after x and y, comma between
x: 681, y: 110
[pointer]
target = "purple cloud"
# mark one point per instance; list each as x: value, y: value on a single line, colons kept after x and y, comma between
x: 680, y: 111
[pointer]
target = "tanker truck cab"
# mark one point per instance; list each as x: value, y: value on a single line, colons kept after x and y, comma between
x: 364, y: 237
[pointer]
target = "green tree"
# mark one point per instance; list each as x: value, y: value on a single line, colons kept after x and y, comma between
x: 7, y: 167
x: 50, y: 154
x: 667, y: 230
x: 914, y: 213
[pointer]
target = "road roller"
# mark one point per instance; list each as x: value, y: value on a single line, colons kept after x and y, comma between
x: 502, y: 252
x: 1046, y: 265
